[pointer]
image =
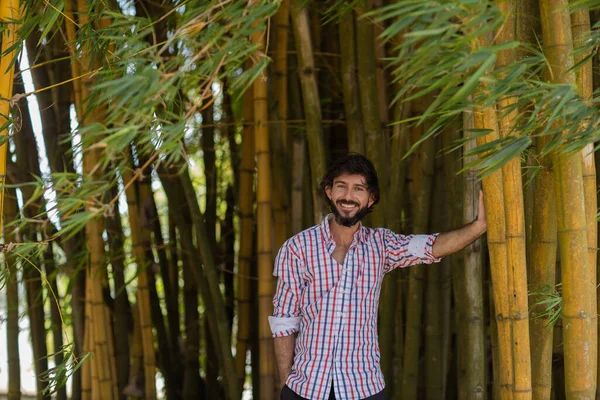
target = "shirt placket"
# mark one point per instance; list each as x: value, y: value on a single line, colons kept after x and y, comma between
x: 345, y: 284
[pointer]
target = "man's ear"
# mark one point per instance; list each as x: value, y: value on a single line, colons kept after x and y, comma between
x: 328, y: 191
x: 371, y: 200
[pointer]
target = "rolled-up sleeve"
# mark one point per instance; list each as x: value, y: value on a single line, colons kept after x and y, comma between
x: 406, y: 250
x: 286, y: 310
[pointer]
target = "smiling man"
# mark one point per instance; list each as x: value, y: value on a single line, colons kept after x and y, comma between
x: 329, y: 280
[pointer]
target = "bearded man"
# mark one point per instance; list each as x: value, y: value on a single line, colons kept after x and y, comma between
x: 329, y: 280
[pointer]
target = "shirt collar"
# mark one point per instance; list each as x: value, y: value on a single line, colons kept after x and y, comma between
x: 360, y: 234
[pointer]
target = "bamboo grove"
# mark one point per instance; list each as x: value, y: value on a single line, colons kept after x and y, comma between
x: 155, y: 155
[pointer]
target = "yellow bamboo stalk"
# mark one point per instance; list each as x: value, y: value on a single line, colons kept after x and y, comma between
x: 246, y: 239
x: 9, y: 15
x: 542, y: 272
x: 580, y: 26
x: 515, y: 222
x: 580, y: 379
x: 99, y: 328
x: 265, y: 223
x: 493, y: 190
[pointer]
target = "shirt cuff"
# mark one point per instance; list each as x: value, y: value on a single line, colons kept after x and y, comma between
x: 421, y: 246
x: 284, y: 326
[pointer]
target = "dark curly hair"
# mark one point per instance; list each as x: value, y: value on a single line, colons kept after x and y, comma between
x: 354, y: 164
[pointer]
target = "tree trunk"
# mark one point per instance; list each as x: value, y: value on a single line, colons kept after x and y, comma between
x: 578, y: 312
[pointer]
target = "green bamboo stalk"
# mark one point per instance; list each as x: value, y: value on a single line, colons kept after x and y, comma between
x: 310, y: 98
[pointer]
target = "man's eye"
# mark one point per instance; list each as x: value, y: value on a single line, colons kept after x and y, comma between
x: 359, y: 189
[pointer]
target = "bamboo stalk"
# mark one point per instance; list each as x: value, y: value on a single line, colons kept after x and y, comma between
x: 11, y: 212
x: 494, y: 205
x: 542, y: 273
x: 310, y: 98
x: 468, y: 290
x: 412, y: 344
x: 581, y: 29
x: 375, y: 140
x: 143, y: 294
x: 265, y: 224
x: 515, y: 221
x: 245, y: 203
x: 100, y: 335
x: 9, y: 15
x: 434, y: 361
x: 282, y: 26
x: 578, y: 312
x: 356, y: 142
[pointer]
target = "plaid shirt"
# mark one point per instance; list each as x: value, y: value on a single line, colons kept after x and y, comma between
x: 334, y: 307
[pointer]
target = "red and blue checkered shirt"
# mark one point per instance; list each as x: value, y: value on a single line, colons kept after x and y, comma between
x: 334, y: 307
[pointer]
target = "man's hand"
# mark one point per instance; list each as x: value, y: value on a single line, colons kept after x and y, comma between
x: 481, y: 221
x: 450, y: 242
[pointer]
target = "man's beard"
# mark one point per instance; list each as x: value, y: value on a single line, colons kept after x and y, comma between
x: 348, y: 221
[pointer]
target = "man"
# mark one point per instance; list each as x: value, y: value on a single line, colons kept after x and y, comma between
x: 329, y: 280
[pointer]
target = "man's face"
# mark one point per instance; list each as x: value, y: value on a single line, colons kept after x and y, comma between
x: 350, y: 199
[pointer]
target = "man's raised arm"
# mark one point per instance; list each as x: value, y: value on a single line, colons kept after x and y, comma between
x: 450, y: 242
